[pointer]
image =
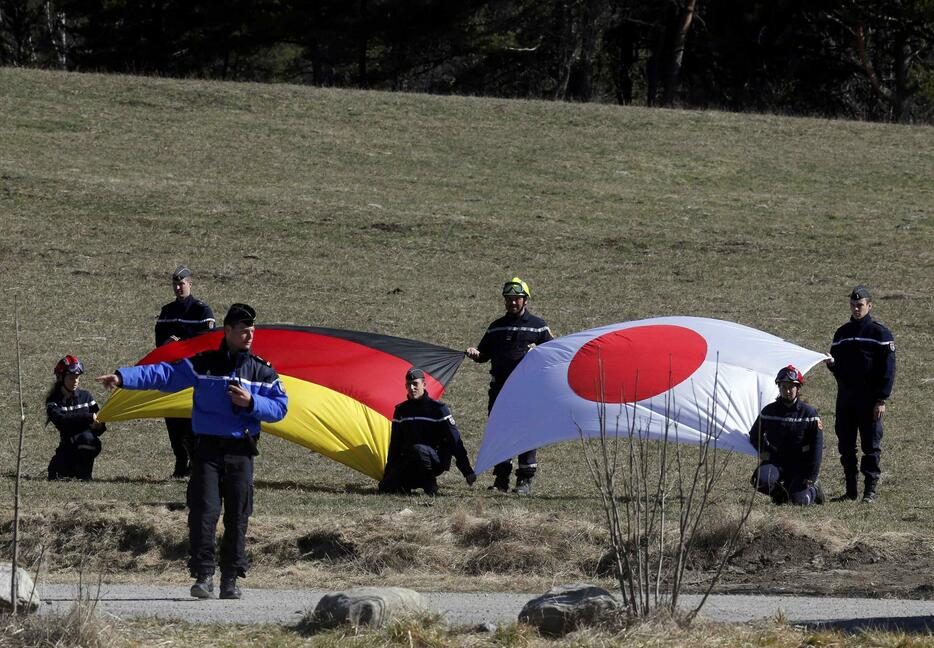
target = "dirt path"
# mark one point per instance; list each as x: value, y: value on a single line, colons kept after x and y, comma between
x: 288, y: 606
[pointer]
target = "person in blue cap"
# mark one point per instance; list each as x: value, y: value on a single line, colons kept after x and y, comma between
x: 789, y: 437
x: 73, y: 412
x: 182, y: 318
x: 234, y: 392
x: 862, y: 359
x: 424, y: 439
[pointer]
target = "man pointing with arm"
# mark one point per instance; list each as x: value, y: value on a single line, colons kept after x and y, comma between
x: 234, y: 391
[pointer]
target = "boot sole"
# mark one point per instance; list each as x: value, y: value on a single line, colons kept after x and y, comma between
x: 201, y: 594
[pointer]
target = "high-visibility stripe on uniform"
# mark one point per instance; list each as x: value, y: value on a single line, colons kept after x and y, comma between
x: 184, y: 321
x: 518, y: 328
x: 422, y: 418
x: 70, y: 408
x: 793, y: 419
x: 861, y: 339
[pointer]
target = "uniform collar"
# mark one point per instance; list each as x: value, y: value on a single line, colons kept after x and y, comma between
x: 866, y: 319
x: 234, y: 358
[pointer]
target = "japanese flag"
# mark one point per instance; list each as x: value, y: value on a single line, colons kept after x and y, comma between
x: 707, y: 376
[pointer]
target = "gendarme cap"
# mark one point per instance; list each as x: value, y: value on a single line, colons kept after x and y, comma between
x: 860, y: 292
x: 414, y: 373
x: 181, y: 272
x: 240, y: 313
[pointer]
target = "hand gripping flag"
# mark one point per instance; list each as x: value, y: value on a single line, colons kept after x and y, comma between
x: 343, y: 387
x: 707, y: 376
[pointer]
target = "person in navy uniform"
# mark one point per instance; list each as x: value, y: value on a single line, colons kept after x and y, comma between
x: 862, y: 359
x: 180, y: 319
x: 504, y: 344
x: 234, y: 391
x: 73, y: 412
x: 789, y: 437
x: 422, y: 442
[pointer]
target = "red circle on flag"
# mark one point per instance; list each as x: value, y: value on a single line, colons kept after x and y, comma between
x: 638, y: 362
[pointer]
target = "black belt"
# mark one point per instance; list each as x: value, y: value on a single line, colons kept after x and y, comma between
x: 245, y: 444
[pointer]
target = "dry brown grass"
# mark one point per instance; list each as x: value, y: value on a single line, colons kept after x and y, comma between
x: 430, y: 633
x: 81, y: 627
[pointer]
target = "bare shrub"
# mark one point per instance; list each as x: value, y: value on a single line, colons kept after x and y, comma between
x: 641, y: 482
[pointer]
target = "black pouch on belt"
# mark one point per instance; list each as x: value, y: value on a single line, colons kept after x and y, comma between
x: 251, y: 444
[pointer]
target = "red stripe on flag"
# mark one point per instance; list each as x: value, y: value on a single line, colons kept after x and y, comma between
x: 373, y: 377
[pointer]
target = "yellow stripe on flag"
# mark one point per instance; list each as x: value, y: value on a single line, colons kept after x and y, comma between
x: 320, y: 419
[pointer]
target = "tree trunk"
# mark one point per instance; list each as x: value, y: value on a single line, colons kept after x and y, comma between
x: 673, y: 72
x: 362, y: 46
x: 901, y: 101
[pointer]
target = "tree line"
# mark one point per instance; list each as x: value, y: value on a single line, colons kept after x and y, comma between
x: 863, y: 59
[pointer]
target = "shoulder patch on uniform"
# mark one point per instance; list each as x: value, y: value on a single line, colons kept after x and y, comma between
x: 263, y: 360
x: 892, y: 345
x: 820, y: 425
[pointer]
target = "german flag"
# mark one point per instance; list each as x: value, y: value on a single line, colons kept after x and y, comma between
x: 343, y: 387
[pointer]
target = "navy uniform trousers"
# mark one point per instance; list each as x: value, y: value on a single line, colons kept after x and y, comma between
x: 855, y: 417
x: 221, y: 474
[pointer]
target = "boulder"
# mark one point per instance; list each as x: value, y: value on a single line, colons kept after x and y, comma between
x: 27, y: 597
x: 566, y: 608
x: 374, y: 607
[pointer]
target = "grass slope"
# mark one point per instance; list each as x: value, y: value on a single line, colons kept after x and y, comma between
x: 403, y: 214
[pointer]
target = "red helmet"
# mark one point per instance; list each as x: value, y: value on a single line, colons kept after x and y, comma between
x: 789, y: 374
x: 69, y: 365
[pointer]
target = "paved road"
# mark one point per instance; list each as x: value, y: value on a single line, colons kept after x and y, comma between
x: 288, y: 606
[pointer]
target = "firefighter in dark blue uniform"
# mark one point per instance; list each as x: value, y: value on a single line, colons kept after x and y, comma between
x: 73, y: 412
x: 234, y: 391
x: 424, y: 438
x: 180, y: 319
x: 863, y: 362
x: 789, y: 436
x: 504, y: 344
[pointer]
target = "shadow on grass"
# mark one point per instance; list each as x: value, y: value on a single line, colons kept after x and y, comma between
x: 907, y: 624
x: 290, y: 484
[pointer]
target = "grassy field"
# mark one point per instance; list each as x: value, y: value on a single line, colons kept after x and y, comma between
x: 403, y: 214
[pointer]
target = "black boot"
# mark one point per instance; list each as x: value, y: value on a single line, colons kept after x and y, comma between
x: 501, y: 483
x: 869, y: 493
x: 203, y: 587
x: 182, y: 468
x: 229, y: 589
x: 851, y: 494
x: 523, y: 486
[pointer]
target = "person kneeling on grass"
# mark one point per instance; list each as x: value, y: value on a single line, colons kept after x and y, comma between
x: 73, y: 412
x: 422, y: 442
x: 789, y: 436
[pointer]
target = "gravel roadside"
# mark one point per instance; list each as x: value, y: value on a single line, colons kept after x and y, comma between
x: 288, y: 606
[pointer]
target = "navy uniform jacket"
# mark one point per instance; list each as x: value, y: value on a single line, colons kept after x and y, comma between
x: 507, y: 340
x: 183, y: 319
x: 72, y: 416
x: 793, y: 436
x: 210, y: 372
x: 426, y: 421
x: 864, y: 359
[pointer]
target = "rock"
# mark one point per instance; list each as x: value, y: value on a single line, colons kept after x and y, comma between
x: 368, y: 606
x: 566, y: 608
x: 27, y: 597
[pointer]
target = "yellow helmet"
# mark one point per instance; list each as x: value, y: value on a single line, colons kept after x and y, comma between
x: 516, y: 286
